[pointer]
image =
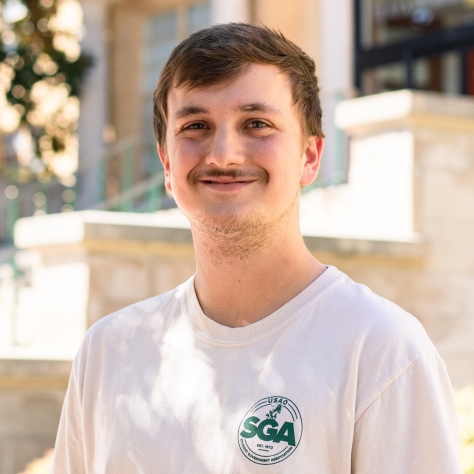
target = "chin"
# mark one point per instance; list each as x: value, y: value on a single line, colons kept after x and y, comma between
x: 229, y: 221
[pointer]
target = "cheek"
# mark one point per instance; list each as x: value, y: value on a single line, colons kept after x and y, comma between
x: 282, y: 160
x: 266, y: 153
x: 183, y: 158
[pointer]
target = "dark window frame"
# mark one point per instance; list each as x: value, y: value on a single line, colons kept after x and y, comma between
x: 460, y: 39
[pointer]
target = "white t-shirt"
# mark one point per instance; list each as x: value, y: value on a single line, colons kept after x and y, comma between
x: 337, y: 381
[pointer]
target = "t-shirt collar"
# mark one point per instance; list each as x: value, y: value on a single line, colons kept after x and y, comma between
x: 212, y: 332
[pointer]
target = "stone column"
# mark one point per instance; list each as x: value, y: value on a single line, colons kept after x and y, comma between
x: 95, y: 97
x: 335, y: 75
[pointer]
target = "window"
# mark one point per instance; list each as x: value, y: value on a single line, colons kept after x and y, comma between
x: 418, y: 44
x: 390, y: 21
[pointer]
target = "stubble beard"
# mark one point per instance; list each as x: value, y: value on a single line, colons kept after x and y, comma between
x: 239, y: 239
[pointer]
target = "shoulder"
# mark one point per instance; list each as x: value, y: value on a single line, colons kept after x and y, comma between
x: 379, y: 324
x: 379, y: 340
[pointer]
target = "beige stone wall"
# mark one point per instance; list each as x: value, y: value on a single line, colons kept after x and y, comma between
x: 28, y: 424
x: 51, y: 297
x: 126, y: 23
x: 126, y: 273
x: 31, y: 398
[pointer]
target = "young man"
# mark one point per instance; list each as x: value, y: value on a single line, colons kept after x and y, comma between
x: 266, y: 360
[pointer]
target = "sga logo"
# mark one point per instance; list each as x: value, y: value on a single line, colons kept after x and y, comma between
x: 270, y: 431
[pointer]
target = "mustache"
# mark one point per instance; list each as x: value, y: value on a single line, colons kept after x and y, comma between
x: 235, y: 174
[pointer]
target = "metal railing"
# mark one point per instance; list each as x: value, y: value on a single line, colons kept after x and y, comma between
x: 123, y: 177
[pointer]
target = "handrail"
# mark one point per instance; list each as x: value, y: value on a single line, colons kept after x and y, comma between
x: 124, y: 157
x: 134, y: 192
x: 87, y: 162
x: 106, y: 153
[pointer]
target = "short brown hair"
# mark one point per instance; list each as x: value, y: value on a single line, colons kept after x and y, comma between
x: 223, y: 52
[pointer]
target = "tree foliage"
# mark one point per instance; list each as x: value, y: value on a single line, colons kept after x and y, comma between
x: 42, y: 70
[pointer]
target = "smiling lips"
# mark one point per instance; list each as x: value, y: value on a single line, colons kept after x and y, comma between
x: 226, y: 183
x: 227, y: 180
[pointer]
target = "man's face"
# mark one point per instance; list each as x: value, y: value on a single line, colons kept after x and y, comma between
x: 235, y: 152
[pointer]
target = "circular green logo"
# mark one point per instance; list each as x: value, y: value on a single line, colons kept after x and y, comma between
x: 270, y: 431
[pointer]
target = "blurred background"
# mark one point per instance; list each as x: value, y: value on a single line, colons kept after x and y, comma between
x: 87, y: 228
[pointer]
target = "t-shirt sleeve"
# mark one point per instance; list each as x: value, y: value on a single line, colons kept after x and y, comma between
x: 411, y: 425
x: 69, y: 455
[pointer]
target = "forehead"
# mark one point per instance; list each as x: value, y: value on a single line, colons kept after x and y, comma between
x: 257, y: 84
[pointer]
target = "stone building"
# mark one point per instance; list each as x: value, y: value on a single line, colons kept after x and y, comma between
x: 394, y: 209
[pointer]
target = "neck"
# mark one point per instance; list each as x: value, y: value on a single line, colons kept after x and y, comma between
x: 245, y: 273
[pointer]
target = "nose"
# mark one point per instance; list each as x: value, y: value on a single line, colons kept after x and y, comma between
x: 226, y: 148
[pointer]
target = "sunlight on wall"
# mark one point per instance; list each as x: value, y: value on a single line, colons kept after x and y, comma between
x: 465, y: 406
x: 40, y: 466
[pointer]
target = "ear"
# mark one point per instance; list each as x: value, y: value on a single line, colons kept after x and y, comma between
x: 311, y: 160
x: 166, y: 166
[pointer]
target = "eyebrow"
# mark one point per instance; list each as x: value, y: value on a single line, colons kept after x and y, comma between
x: 190, y: 110
x: 258, y: 107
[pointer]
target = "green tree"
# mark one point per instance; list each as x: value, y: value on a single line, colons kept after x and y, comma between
x: 42, y: 69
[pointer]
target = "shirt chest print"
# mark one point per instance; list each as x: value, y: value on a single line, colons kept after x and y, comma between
x: 270, y: 431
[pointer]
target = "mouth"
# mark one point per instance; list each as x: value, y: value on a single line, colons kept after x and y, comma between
x: 227, y: 181
x: 227, y: 185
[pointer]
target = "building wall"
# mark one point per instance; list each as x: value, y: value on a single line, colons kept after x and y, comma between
x: 31, y: 398
x: 153, y: 269
x: 126, y: 63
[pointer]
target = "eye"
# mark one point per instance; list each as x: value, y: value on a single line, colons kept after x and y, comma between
x: 257, y: 124
x: 195, y: 126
